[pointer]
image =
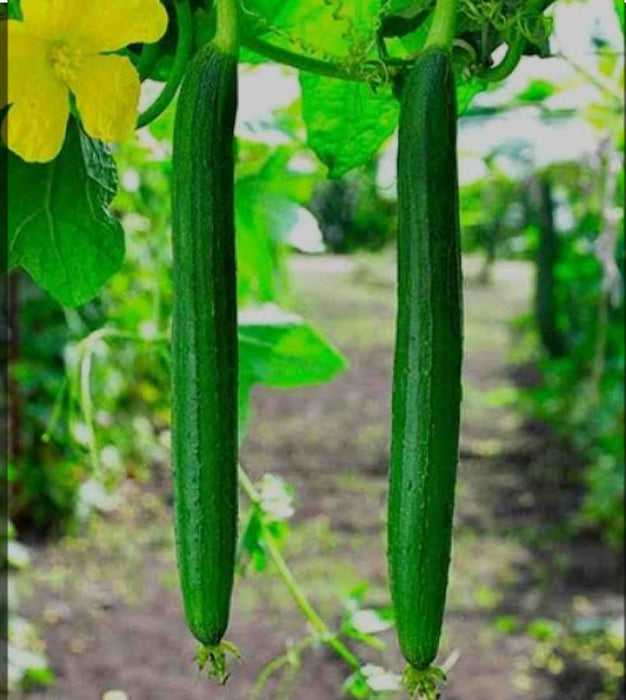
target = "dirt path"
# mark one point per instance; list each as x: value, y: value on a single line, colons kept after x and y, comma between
x: 107, y: 601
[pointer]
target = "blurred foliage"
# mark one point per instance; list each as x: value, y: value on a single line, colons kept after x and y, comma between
x: 45, y: 472
x: 568, y: 218
x: 494, y: 219
x: 351, y: 213
x: 27, y: 665
x: 583, y: 659
x: 581, y: 391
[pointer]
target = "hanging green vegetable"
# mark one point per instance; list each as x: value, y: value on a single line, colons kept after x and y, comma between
x: 204, y: 338
x: 428, y: 355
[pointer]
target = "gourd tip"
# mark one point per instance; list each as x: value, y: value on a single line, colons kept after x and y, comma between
x: 424, y: 684
x: 215, y: 657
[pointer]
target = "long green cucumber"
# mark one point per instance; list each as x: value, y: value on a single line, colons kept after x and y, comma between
x: 428, y: 357
x: 204, y: 341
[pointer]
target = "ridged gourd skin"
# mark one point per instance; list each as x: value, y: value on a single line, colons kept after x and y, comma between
x: 204, y: 341
x: 428, y: 357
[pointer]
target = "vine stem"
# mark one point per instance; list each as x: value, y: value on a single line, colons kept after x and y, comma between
x: 298, y: 595
x: 515, y: 49
x: 279, y: 662
x: 443, y: 27
x: 227, y: 33
x: 593, y: 78
x: 86, y: 350
x: 508, y: 64
x: 88, y: 411
x: 55, y: 416
x: 184, y: 18
x: 147, y: 60
x: 328, y: 69
x: 300, y: 61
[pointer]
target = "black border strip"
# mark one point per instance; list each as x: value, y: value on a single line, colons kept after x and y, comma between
x: 4, y: 394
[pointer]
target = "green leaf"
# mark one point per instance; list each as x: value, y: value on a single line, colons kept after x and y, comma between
x: 261, y: 218
x: 281, y: 350
x: 267, y: 211
x: 251, y: 542
x: 346, y: 121
x: 270, y: 514
x: 27, y: 668
x: 14, y: 9
x: 536, y: 91
x: 466, y: 90
x: 507, y: 624
x: 59, y: 227
x: 339, y: 28
x: 541, y: 629
x: 405, y: 7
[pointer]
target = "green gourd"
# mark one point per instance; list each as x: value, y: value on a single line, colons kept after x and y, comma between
x: 428, y: 357
x: 204, y: 341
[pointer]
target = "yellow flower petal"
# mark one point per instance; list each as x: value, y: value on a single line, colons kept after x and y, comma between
x: 35, y: 124
x: 99, y: 25
x: 107, y: 95
x: 49, y: 19
x: 109, y: 25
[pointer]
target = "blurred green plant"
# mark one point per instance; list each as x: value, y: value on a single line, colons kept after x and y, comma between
x: 583, y: 658
x: 351, y: 213
x: 46, y: 471
x: 568, y: 217
x: 580, y: 392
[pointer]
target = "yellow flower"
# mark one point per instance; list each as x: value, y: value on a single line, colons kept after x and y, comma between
x: 57, y: 49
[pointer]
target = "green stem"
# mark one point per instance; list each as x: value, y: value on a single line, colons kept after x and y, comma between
x: 329, y: 69
x: 596, y: 80
x: 86, y: 351
x: 147, y: 60
x: 56, y: 412
x: 279, y: 662
x: 300, y: 61
x: 515, y: 49
x: 184, y: 19
x: 227, y: 34
x: 88, y: 412
x: 508, y: 64
x: 293, y: 586
x: 443, y: 27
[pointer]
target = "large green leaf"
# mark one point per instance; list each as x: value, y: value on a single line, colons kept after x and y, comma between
x: 268, y: 207
x: 262, y: 218
x: 59, y: 227
x: 337, y: 28
x: 407, y: 7
x: 346, y: 121
x: 282, y: 351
